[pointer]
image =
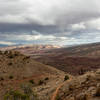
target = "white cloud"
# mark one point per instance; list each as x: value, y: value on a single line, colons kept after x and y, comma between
x: 7, y: 43
x: 51, y: 39
x: 93, y: 24
x: 78, y: 26
x: 26, y: 37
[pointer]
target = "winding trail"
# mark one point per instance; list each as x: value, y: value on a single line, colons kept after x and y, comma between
x: 57, y: 90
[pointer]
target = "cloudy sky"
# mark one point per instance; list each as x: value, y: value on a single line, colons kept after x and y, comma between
x: 64, y: 22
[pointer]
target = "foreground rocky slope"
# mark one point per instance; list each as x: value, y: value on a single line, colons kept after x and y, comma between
x: 85, y: 87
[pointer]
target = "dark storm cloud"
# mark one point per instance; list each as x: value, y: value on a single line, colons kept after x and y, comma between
x: 42, y: 15
x: 55, y: 18
x: 11, y: 28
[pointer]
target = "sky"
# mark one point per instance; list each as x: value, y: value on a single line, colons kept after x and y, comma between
x: 59, y: 22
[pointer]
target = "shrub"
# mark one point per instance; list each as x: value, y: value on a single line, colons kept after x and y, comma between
x: 1, y: 84
x: 40, y: 82
x: 98, y: 92
x: 27, y: 89
x: 66, y: 77
x: 81, y: 96
x: 11, y: 56
x: 81, y: 71
x: 7, y: 96
x: 31, y: 81
x: 11, y: 77
x: 58, y: 97
x: 25, y: 97
x: 5, y: 52
x: 10, y: 63
x: 16, y: 95
x: 0, y: 52
x: 46, y: 78
x: 1, y: 78
x: 26, y: 57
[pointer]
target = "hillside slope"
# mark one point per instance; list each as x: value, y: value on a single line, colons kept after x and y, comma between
x: 85, y: 87
x: 17, y: 70
x: 15, y: 63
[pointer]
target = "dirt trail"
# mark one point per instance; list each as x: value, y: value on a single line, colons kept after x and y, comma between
x: 57, y: 90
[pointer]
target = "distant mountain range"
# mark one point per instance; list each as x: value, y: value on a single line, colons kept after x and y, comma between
x: 75, y: 60
x: 30, y: 49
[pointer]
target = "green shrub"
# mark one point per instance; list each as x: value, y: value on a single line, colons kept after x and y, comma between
x: 66, y: 77
x: 81, y: 96
x: 7, y: 96
x: 98, y: 92
x: 26, y: 57
x: 40, y: 82
x: 58, y: 97
x: 11, y: 77
x: 0, y: 52
x: 10, y: 63
x: 31, y: 81
x: 25, y: 97
x: 16, y: 95
x: 27, y: 89
x: 11, y: 56
x: 1, y: 78
x: 5, y: 52
x: 46, y: 78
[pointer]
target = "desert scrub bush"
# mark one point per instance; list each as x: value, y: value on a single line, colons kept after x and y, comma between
x: 0, y: 52
x: 26, y: 57
x: 97, y: 92
x: 32, y: 81
x: 58, y: 97
x: 10, y: 63
x: 16, y: 95
x: 10, y: 56
x: 28, y: 90
x: 40, y: 82
x: 81, y: 96
x: 16, y: 53
x: 11, y: 77
x: 7, y: 96
x: 5, y: 52
x: 66, y: 77
x: 1, y: 78
x: 81, y: 71
x: 98, y: 71
x: 46, y: 78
